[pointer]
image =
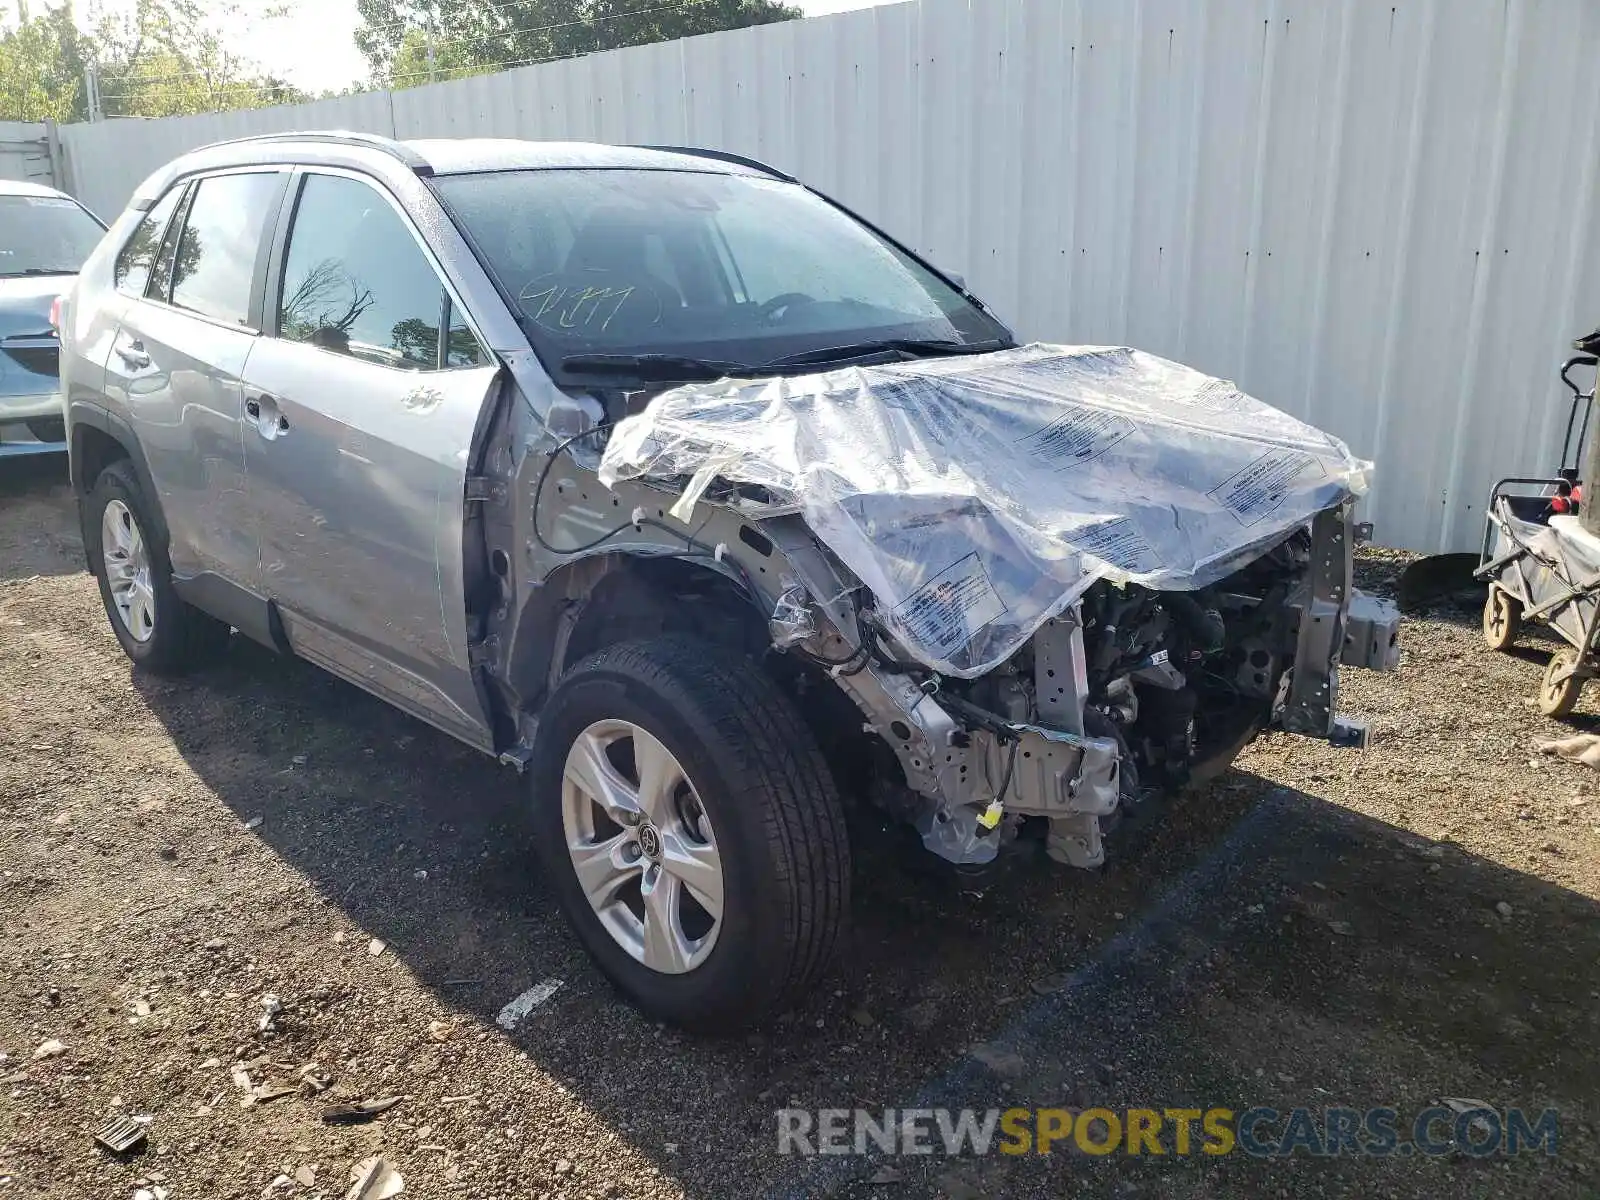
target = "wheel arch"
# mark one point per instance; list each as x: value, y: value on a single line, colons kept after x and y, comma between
x: 96, y: 439
x: 600, y: 599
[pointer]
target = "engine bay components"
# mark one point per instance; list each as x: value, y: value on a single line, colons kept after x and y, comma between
x: 1055, y: 581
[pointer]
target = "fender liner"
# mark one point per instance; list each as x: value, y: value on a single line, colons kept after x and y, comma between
x: 81, y: 414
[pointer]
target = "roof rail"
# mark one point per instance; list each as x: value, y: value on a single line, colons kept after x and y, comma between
x: 724, y: 156
x: 371, y: 141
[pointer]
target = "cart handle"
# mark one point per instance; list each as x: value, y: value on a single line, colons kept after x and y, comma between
x: 1577, y: 360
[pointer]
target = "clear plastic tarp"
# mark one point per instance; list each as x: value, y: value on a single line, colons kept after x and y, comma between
x: 977, y: 496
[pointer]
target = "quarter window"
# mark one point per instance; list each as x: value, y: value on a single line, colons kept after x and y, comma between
x: 160, y: 286
x: 355, y: 282
x: 132, y: 271
x: 214, y: 266
x: 461, y: 346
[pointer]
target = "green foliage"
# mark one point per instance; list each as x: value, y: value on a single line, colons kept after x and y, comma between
x: 451, y: 60
x: 160, y: 58
x: 41, y: 69
x: 165, y: 59
x: 472, y: 36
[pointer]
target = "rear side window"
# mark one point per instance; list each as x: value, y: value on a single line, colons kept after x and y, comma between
x: 213, y: 268
x: 355, y: 282
x: 139, y: 255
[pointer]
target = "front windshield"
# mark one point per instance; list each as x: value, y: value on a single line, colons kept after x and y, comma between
x: 44, y: 235
x: 732, y: 268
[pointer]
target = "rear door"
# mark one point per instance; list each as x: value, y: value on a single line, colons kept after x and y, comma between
x: 177, y: 361
x: 360, y: 410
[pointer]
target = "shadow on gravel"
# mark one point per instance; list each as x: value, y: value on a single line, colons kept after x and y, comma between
x: 1263, y: 947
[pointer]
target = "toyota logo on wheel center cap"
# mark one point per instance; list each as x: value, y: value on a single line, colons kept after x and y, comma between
x: 649, y: 841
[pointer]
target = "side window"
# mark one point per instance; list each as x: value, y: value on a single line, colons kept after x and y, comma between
x: 461, y: 347
x: 161, y: 276
x: 213, y: 268
x: 132, y: 271
x: 356, y: 282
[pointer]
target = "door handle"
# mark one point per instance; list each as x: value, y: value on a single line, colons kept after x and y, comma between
x: 133, y: 354
x: 263, y: 410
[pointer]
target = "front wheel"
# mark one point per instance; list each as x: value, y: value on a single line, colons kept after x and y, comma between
x: 691, y: 830
x: 1502, y: 618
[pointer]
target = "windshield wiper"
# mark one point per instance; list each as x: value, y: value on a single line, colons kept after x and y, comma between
x: 657, y: 367
x: 666, y: 368
x: 38, y: 271
x: 909, y: 347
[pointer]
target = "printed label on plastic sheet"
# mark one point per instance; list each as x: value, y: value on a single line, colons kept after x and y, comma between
x: 951, y: 607
x: 1258, y: 489
x: 1078, y: 435
x: 1121, y: 543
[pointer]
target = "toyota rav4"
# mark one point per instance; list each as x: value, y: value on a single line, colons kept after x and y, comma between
x: 708, y: 506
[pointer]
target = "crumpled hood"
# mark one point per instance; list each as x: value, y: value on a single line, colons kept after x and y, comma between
x: 978, y: 496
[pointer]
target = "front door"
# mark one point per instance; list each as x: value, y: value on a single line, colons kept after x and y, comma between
x: 360, y: 415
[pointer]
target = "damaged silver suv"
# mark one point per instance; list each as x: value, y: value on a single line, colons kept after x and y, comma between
x: 708, y: 506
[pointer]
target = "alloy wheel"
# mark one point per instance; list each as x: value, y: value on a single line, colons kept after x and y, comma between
x: 127, y: 565
x: 642, y: 846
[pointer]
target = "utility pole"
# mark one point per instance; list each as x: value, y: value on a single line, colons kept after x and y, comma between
x: 91, y: 92
x: 429, y: 28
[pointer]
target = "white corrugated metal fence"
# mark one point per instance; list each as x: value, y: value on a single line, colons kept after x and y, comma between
x: 28, y: 153
x: 1372, y: 213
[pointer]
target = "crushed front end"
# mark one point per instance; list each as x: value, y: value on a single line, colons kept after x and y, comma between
x: 1126, y: 695
x: 1055, y: 582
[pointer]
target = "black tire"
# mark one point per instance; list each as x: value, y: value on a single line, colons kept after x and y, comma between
x: 182, y: 637
x: 1502, y: 618
x: 770, y: 799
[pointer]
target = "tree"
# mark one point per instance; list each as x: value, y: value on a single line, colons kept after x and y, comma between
x: 484, y: 35
x: 157, y: 59
x: 451, y: 60
x: 165, y: 58
x: 41, y: 69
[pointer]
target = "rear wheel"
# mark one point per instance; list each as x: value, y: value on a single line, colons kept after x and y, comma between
x: 1558, y: 693
x: 691, y: 831
x: 1502, y: 618
x: 156, y: 628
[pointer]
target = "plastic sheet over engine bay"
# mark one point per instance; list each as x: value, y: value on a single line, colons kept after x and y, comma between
x: 977, y: 496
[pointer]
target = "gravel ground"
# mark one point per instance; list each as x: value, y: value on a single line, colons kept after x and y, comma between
x: 1318, y: 927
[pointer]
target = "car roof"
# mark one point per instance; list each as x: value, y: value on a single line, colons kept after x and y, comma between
x: 25, y: 187
x: 457, y: 156
x: 436, y: 156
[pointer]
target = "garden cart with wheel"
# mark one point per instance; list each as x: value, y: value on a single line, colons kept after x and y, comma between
x: 1541, y: 555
